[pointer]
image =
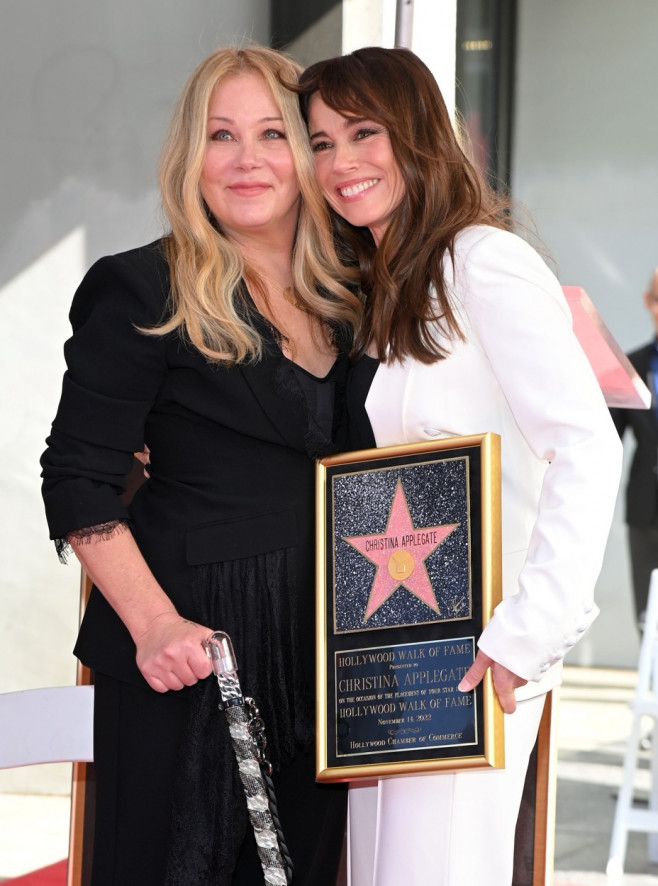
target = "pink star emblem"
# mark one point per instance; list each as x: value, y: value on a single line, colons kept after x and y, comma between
x: 399, y: 554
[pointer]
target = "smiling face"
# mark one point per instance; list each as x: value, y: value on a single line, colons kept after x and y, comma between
x: 355, y: 166
x: 248, y: 178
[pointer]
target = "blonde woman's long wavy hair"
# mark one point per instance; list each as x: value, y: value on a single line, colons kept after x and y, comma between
x: 205, y: 266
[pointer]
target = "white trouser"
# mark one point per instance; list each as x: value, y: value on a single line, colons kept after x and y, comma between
x: 451, y: 829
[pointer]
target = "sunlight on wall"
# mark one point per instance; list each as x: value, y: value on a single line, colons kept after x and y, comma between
x: 36, y: 652
x: 372, y: 23
x: 434, y: 40
x: 368, y: 23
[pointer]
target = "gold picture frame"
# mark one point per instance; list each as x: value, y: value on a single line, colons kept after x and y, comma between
x: 408, y: 575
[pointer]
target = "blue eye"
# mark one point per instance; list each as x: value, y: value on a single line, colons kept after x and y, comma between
x: 274, y: 134
x: 220, y: 135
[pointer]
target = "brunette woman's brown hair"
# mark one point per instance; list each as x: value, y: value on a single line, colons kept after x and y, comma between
x: 444, y: 193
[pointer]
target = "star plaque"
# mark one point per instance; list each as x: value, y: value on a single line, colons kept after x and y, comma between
x: 399, y: 553
x: 408, y: 575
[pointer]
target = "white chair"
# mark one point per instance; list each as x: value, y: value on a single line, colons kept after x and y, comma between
x: 46, y: 726
x: 645, y: 703
x: 52, y: 725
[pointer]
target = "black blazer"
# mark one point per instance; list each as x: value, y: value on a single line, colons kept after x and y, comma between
x: 232, y: 474
x: 642, y: 487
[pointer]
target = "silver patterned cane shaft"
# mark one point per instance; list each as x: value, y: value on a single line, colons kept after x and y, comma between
x: 248, y: 737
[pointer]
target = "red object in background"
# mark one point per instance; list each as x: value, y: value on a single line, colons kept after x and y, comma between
x: 620, y: 383
x: 53, y: 875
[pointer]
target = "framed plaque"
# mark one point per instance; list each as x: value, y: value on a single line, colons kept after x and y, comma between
x: 408, y: 575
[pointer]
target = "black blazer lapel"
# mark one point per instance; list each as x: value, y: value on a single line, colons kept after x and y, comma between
x: 283, y: 412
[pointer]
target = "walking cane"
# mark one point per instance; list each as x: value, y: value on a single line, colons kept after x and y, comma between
x: 247, y: 732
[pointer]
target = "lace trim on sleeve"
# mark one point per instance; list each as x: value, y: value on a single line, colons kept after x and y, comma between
x: 100, y: 532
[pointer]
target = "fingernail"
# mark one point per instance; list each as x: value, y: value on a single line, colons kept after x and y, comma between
x: 462, y: 688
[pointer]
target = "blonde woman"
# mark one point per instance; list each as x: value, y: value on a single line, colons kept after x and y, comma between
x: 222, y: 346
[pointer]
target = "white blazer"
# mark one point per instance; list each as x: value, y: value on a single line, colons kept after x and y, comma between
x: 521, y: 373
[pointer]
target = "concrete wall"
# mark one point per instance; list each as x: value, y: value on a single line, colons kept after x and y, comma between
x: 585, y: 164
x: 85, y: 99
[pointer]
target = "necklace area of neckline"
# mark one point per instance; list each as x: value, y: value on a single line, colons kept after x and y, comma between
x: 290, y: 296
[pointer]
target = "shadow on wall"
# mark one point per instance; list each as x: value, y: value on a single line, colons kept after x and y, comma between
x: 85, y: 101
x: 293, y: 17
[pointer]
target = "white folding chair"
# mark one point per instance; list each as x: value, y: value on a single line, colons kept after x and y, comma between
x: 53, y: 725
x: 644, y: 704
x: 46, y: 726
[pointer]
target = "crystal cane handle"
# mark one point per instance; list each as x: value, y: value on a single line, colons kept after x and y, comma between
x: 219, y: 650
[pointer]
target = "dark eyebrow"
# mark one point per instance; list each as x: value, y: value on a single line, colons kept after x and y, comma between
x: 349, y: 121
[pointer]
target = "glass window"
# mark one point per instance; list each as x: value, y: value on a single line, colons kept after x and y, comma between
x: 485, y: 72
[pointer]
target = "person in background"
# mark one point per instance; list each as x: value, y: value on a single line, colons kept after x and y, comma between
x: 223, y: 346
x: 465, y: 331
x: 642, y: 486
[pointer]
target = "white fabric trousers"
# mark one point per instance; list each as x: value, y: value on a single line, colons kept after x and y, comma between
x: 452, y: 829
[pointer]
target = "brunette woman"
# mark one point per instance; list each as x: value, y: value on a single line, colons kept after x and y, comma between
x: 466, y: 331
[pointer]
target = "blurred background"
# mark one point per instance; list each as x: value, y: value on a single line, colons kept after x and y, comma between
x: 560, y: 102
